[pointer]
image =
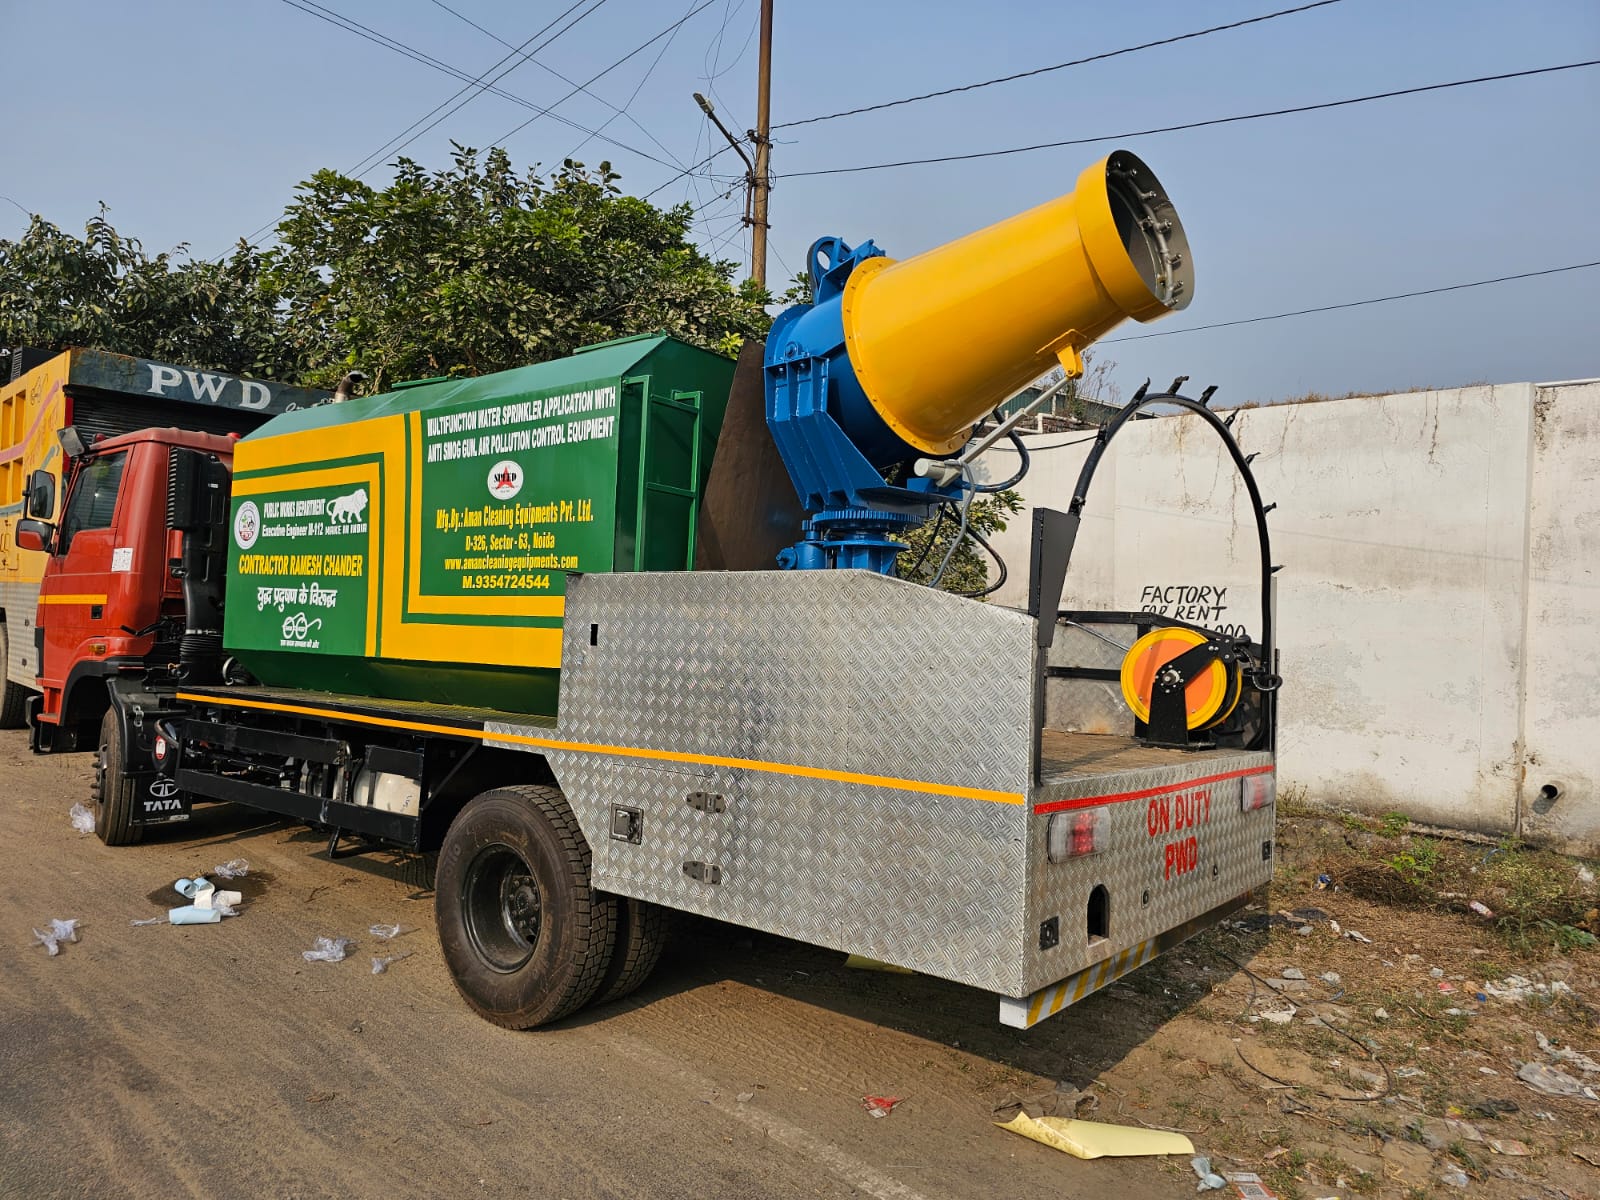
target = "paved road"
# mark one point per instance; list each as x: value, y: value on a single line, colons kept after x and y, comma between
x: 214, y: 1061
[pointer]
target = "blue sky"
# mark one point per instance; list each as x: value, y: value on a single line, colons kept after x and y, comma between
x: 193, y: 121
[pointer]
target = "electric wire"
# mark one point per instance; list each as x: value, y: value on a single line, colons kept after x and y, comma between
x: 548, y: 69
x: 362, y: 165
x: 1056, y: 446
x: 634, y: 95
x: 933, y: 538
x: 692, y: 169
x: 481, y: 82
x: 1322, y: 308
x: 642, y: 46
x: 478, y: 86
x: 1238, y: 117
x: 1076, y: 62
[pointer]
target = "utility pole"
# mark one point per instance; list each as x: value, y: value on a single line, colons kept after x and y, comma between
x: 757, y: 176
x: 761, y: 179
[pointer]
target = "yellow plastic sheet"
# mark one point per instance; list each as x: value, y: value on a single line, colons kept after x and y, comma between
x: 1093, y: 1139
x: 862, y: 963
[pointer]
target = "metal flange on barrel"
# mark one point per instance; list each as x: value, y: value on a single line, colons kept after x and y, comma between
x: 895, y: 360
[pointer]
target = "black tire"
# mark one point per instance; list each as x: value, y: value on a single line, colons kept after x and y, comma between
x: 526, y: 938
x: 13, y: 696
x: 113, y: 791
x: 642, y: 931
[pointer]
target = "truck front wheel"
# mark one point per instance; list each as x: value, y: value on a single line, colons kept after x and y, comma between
x: 113, y: 791
x: 13, y: 696
x: 526, y: 938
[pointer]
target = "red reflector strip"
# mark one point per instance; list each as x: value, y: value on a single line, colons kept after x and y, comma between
x: 1050, y: 806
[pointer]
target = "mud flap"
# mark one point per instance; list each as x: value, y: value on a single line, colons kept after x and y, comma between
x: 159, y: 800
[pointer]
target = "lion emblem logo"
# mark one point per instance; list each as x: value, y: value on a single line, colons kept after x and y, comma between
x: 348, y: 510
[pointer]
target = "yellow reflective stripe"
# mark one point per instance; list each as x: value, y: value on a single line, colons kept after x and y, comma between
x: 747, y: 764
x: 1047, y: 1002
x: 64, y: 598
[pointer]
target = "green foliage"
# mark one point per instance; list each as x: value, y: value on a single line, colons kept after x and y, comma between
x: 478, y: 268
x: 969, y: 566
x: 102, y: 291
x: 1394, y: 824
x: 471, y: 269
x: 1416, y: 862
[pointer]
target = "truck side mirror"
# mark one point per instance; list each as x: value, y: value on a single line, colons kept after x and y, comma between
x: 36, y: 535
x: 41, y: 495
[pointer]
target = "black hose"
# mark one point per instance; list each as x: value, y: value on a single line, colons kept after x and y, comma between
x: 999, y: 562
x: 933, y: 536
x: 1022, y: 466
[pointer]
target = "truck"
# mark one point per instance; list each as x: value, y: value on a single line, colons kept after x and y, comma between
x: 619, y: 635
x: 102, y: 612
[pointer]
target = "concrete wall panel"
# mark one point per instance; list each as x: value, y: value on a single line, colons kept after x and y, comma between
x: 1561, y: 720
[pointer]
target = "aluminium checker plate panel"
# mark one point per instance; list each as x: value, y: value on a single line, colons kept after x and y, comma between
x: 845, y: 759
x: 1179, y: 846
x: 908, y: 712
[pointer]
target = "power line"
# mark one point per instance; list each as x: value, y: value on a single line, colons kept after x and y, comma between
x: 1276, y: 112
x: 545, y: 67
x: 364, y: 164
x: 689, y: 170
x: 634, y: 95
x: 1454, y: 287
x: 1076, y: 62
x: 481, y: 83
x: 505, y: 137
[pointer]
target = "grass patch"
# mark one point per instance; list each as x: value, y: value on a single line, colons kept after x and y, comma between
x: 1538, y: 901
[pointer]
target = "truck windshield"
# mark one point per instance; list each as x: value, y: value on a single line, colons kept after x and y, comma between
x: 94, y: 498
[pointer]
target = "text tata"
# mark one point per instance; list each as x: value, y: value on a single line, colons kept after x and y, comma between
x: 252, y: 393
x: 1173, y: 813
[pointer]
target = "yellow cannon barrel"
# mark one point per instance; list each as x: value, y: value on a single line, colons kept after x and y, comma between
x: 940, y: 339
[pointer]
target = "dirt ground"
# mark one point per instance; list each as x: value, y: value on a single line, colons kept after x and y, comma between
x: 214, y: 1060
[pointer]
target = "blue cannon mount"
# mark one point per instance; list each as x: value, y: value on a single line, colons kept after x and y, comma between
x: 834, y: 443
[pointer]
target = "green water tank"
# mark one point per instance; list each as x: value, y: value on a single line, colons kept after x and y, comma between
x: 416, y: 544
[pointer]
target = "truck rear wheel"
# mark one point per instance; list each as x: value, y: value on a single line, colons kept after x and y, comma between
x: 113, y: 791
x: 526, y: 937
x: 641, y: 937
x: 13, y: 696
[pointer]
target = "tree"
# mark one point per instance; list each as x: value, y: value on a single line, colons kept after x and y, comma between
x: 478, y: 268
x: 102, y: 291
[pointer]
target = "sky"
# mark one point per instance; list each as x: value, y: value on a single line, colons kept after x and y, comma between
x: 194, y: 121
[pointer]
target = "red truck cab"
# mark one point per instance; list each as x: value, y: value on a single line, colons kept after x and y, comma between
x: 110, y: 603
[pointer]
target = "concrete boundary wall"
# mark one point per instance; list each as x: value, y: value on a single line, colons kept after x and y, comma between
x: 1439, y: 603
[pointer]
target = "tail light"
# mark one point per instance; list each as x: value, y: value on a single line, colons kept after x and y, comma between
x: 1258, y: 791
x: 1079, y: 834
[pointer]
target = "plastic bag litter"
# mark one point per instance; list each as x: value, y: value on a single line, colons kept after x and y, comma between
x: 328, y: 950
x: 385, y: 932
x: 232, y: 869
x: 1541, y: 1078
x: 879, y: 1106
x: 380, y: 965
x: 82, y: 818
x: 59, y: 931
x: 1568, y: 1055
x: 1210, y: 1181
x: 149, y: 921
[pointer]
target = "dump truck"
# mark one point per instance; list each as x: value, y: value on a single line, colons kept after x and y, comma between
x: 619, y: 635
x: 101, y: 609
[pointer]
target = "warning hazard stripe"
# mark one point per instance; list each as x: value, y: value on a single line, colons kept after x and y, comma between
x: 1023, y: 1014
x: 1050, y: 806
